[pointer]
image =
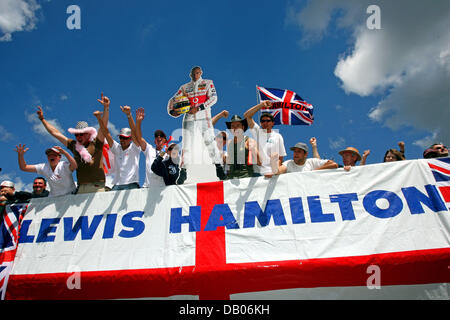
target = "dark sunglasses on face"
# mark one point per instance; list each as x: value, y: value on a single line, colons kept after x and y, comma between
x: 79, y: 134
x: 267, y: 120
x: 124, y: 138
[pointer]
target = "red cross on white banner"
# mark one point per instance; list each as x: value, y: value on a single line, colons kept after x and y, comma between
x: 213, y: 278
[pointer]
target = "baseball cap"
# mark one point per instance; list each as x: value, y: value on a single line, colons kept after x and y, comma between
x: 300, y: 145
x: 7, y: 183
x: 52, y: 150
x: 125, y: 132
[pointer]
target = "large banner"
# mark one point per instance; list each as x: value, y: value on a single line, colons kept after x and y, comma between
x: 377, y: 231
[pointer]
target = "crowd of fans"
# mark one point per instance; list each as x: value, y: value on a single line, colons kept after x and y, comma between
x: 241, y: 156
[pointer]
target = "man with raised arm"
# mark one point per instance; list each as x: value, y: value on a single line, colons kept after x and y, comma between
x: 270, y: 143
x: 87, y: 149
x: 150, y: 152
x: 126, y: 153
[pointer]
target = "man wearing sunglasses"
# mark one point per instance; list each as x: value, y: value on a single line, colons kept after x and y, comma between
x: 436, y: 150
x: 87, y: 148
x: 270, y: 143
x: 126, y: 153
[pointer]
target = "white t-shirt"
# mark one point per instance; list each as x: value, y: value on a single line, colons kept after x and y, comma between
x: 268, y: 144
x: 60, y: 181
x: 151, y: 178
x: 126, y: 164
x: 310, y: 165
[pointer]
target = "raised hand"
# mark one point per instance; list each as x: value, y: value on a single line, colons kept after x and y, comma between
x: 20, y: 149
x: 104, y: 100
x: 140, y: 114
x: 126, y: 110
x: 98, y: 114
x: 40, y: 113
x: 61, y: 150
x: 266, y: 104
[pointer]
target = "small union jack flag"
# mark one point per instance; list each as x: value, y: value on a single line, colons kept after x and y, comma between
x: 287, y: 106
x: 440, y: 167
x: 11, y: 218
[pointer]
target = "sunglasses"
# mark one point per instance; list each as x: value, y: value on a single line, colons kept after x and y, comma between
x: 79, y: 134
x: 441, y: 148
x: 124, y: 138
x: 266, y: 121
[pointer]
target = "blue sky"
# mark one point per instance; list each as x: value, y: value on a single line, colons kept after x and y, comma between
x: 369, y: 88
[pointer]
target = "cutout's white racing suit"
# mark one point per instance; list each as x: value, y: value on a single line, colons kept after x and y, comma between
x: 202, y: 94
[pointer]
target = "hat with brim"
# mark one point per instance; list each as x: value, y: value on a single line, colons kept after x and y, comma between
x: 300, y: 145
x: 236, y: 118
x: 351, y: 150
x: 7, y: 183
x: 125, y: 132
x: 50, y: 150
x: 83, y: 127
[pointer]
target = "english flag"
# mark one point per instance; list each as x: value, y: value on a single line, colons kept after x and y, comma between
x: 300, y: 238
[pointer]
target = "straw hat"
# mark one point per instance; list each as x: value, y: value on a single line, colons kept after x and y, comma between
x: 351, y: 150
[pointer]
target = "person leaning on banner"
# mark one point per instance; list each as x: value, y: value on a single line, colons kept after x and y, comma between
x: 126, y: 154
x: 57, y: 172
x: 394, y: 154
x: 242, y: 150
x: 436, y: 150
x: 40, y: 188
x: 269, y: 142
x: 300, y: 161
x: 169, y: 168
x: 87, y: 149
x: 9, y: 195
x: 351, y: 155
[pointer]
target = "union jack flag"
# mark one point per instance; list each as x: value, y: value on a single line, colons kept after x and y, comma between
x: 440, y: 167
x: 11, y: 218
x: 287, y: 106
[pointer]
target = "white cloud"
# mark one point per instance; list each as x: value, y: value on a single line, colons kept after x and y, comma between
x: 407, y: 60
x: 112, y: 129
x: 426, y: 141
x: 17, y: 15
x: 336, y: 143
x: 5, y: 135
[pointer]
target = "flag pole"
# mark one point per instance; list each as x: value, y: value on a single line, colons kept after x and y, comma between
x: 258, y: 99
